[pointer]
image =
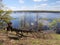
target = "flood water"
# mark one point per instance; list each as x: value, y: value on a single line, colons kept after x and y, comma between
x: 29, y: 19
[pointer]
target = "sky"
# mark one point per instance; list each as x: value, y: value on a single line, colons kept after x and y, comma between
x: 32, y: 4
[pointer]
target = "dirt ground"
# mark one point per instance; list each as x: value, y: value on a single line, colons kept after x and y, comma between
x: 30, y: 39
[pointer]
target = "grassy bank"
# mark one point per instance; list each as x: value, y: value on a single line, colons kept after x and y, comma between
x: 44, y: 39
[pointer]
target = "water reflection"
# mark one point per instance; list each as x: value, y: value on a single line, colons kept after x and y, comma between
x: 34, y: 20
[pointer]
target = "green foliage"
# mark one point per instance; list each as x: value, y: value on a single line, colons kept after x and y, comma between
x: 40, y: 25
x: 53, y: 24
x: 57, y: 19
x: 4, y: 15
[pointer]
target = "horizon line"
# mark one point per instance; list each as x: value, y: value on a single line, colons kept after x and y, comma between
x: 52, y: 11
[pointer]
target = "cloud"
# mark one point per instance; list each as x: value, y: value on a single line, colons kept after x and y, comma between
x: 39, y: 0
x: 18, y: 8
x: 40, y: 7
x: 44, y: 6
x: 45, y: 0
x: 58, y: 2
x: 21, y: 1
x: 55, y: 5
x: 13, y: 8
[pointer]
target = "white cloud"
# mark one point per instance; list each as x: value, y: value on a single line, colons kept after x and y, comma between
x: 13, y: 8
x: 21, y: 1
x: 54, y: 6
x: 39, y: 0
x: 58, y: 2
x: 40, y: 7
x: 45, y: 0
x: 37, y: 7
x: 47, y: 7
x: 18, y: 8
x: 43, y: 4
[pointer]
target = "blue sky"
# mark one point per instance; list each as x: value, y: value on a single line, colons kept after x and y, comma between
x: 32, y: 4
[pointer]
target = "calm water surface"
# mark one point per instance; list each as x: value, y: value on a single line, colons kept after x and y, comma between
x: 32, y: 17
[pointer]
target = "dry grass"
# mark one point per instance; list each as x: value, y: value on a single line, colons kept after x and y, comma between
x: 32, y: 39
